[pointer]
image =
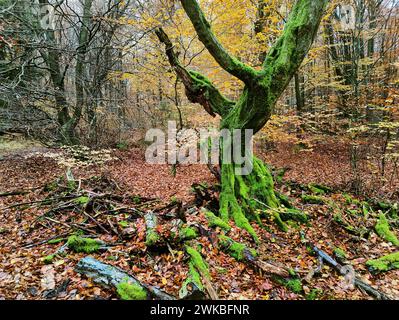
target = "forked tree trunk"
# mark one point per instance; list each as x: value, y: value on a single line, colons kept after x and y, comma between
x: 241, y: 195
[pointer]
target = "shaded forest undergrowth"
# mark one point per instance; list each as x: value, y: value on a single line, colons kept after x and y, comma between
x: 153, y: 226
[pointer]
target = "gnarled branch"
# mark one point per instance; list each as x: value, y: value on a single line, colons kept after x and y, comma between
x: 199, y: 89
x: 231, y: 64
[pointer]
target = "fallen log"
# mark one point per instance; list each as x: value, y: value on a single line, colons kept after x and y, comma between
x: 126, y: 285
x: 343, y: 270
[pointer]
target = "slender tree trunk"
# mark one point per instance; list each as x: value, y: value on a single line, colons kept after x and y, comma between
x: 299, y: 94
x: 52, y: 58
x: 80, y: 63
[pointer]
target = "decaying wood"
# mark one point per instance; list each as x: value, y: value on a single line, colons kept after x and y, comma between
x: 357, y: 280
x: 151, y: 222
x: 208, y: 286
x: 110, y: 277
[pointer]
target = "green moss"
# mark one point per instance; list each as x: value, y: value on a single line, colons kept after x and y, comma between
x: 79, y: 244
x: 353, y: 212
x: 136, y: 199
x: 152, y: 238
x: 55, y: 241
x: 284, y: 200
x: 194, y: 277
x: 52, y: 186
x: 340, y: 253
x: 235, y: 249
x: 322, y: 189
x: 49, y: 259
x: 350, y: 200
x: 239, y: 191
x: 188, y: 233
x: 316, y: 190
x: 294, y: 214
x: 280, y: 223
x: 383, y: 230
x: 295, y: 285
x: 123, y: 146
x: 313, y: 294
x: 197, y: 261
x: 204, y: 87
x: 72, y: 185
x: 131, y: 291
x: 214, y: 221
x: 124, y: 224
x: 312, y: 199
x: 83, y: 200
x: 385, y: 263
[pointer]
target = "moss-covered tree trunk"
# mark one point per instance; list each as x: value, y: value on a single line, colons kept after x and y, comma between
x: 241, y: 194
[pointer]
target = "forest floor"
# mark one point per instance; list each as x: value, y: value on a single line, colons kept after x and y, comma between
x: 25, y: 229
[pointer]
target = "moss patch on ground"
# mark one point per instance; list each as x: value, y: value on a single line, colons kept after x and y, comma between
x: 131, y: 291
x: 79, y: 244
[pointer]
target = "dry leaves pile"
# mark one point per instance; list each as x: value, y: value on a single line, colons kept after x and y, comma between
x: 24, y: 275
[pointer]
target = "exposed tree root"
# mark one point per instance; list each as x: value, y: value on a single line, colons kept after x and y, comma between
x: 193, y: 287
x: 240, y: 192
x: 245, y: 198
x: 356, y: 279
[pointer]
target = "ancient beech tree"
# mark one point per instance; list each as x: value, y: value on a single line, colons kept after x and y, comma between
x: 241, y: 195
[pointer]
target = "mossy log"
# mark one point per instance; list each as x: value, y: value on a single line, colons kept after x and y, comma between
x: 86, y: 245
x: 188, y: 233
x: 385, y: 263
x: 319, y: 189
x: 294, y: 215
x: 127, y: 286
x: 311, y: 199
x: 383, y: 230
